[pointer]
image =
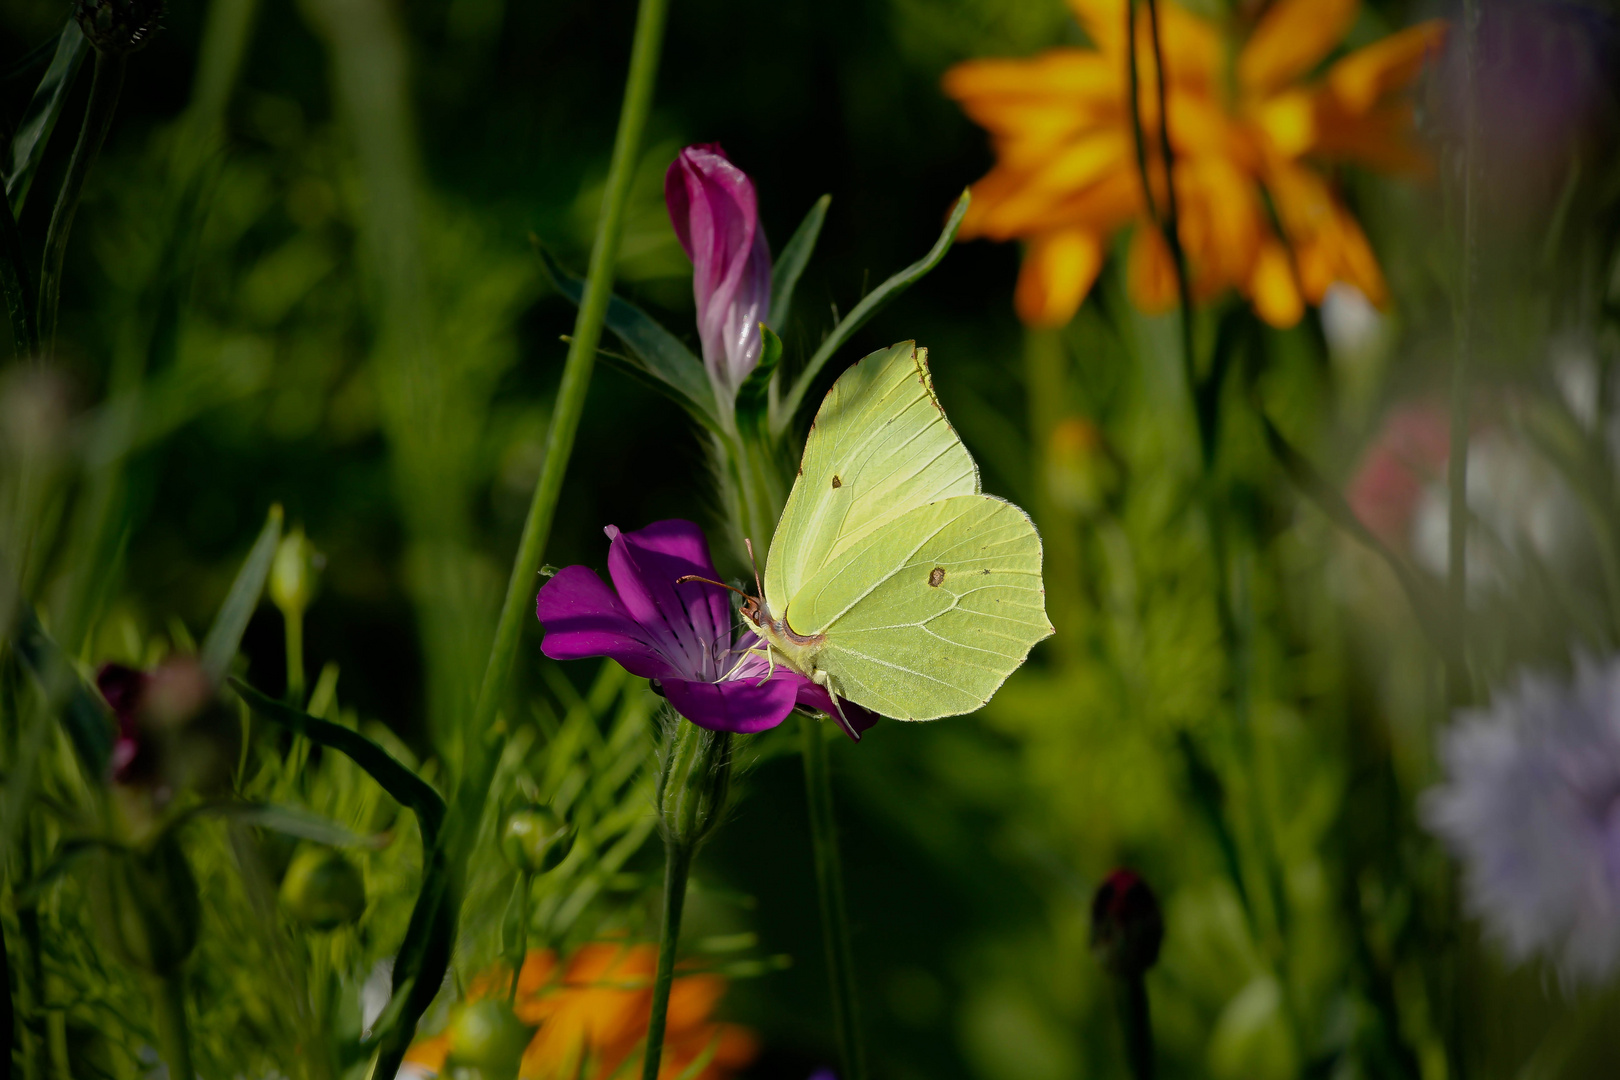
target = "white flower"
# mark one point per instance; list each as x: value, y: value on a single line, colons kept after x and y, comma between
x: 1531, y: 806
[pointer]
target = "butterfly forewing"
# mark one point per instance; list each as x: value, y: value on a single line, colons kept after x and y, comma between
x: 927, y: 615
x: 880, y: 446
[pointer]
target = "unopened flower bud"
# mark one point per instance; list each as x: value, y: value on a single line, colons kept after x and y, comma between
x: 119, y: 26
x: 147, y: 904
x: 535, y: 838
x: 293, y: 574
x: 323, y: 889
x: 694, y: 782
x: 486, y: 1036
x: 1126, y: 927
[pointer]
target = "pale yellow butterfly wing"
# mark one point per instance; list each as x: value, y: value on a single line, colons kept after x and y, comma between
x: 880, y: 446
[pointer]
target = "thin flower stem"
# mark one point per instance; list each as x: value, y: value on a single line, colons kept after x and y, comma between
x: 576, y: 379
x: 105, y: 84
x: 830, y: 892
x: 1172, y: 215
x: 1457, y: 690
x: 294, y: 622
x: 169, y: 1017
x: 1136, y: 1024
x: 525, y: 890
x: 677, y: 867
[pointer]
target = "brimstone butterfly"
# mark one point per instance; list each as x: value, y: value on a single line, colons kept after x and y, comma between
x: 892, y: 579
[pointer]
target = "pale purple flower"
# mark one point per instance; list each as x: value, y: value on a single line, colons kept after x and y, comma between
x: 1531, y: 807
x: 678, y: 634
x: 716, y: 216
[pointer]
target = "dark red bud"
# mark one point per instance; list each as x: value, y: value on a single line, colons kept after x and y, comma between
x: 1126, y: 926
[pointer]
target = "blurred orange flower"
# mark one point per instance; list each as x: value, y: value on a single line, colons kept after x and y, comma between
x: 596, y: 1006
x: 1244, y: 129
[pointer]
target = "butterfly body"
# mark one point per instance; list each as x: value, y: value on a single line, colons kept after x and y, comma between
x: 893, y: 580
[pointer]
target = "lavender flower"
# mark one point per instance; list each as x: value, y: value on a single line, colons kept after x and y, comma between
x: 677, y: 633
x: 1531, y: 806
x: 716, y: 216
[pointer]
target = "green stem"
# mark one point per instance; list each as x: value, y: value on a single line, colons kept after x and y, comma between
x: 1136, y: 1023
x: 1172, y: 216
x: 830, y: 892
x: 677, y: 867
x: 576, y: 379
x: 105, y: 83
x: 526, y: 888
x: 169, y: 1016
x: 1457, y: 691
x: 294, y: 622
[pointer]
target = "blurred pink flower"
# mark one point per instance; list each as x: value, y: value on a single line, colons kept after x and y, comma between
x: 1409, y: 453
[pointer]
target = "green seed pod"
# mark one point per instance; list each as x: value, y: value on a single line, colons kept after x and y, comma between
x: 323, y: 889
x: 486, y: 1036
x: 535, y: 839
x: 147, y: 906
x: 694, y: 782
x: 119, y: 26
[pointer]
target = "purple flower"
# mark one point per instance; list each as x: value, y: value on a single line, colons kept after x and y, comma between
x: 677, y: 633
x: 716, y: 215
x: 1531, y: 806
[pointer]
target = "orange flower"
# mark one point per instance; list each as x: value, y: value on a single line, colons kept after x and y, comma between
x: 597, y: 1007
x: 1066, y: 176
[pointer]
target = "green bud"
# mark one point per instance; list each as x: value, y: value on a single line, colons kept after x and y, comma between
x: 323, y: 889
x: 486, y: 1036
x: 694, y: 782
x: 293, y: 574
x: 147, y: 906
x: 535, y: 839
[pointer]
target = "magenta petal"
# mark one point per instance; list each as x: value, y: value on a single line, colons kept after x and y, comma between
x: 739, y: 705
x: 690, y: 623
x: 854, y: 718
x: 582, y: 617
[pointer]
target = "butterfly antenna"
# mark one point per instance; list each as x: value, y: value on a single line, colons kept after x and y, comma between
x: 759, y: 589
x: 683, y: 579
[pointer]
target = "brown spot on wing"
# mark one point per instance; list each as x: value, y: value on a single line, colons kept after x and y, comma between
x: 837, y: 483
x: 936, y: 575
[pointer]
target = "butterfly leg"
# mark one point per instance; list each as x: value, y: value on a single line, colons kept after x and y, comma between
x: 824, y: 680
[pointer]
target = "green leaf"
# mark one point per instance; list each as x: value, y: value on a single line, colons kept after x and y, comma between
x: 869, y: 306
x: 34, y: 130
x: 292, y: 821
x: 410, y: 790
x: 791, y: 262
x: 753, y: 394
x: 14, y: 282
x: 660, y: 353
x: 225, y: 636
x: 85, y: 717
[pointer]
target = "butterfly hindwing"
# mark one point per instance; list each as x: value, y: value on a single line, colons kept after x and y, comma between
x: 927, y: 615
x: 879, y: 447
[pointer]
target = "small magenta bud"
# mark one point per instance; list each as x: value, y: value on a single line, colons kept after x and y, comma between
x: 694, y: 782
x: 119, y: 26
x: 535, y: 839
x: 323, y: 889
x: 486, y: 1036
x: 294, y: 575
x: 1126, y: 927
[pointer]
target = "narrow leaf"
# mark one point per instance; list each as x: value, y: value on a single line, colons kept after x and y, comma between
x: 294, y: 821
x: 85, y: 717
x: 225, y: 636
x: 752, y: 394
x: 410, y: 790
x: 660, y: 352
x: 14, y: 283
x: 869, y: 306
x: 792, y: 261
x: 34, y: 130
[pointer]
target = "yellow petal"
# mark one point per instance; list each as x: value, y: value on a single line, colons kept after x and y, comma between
x: 1288, y: 121
x: 1058, y: 270
x: 1150, y: 274
x: 1220, y: 225
x: 1062, y: 73
x: 1272, y: 288
x: 1366, y: 75
x: 1103, y: 22
x: 1291, y: 39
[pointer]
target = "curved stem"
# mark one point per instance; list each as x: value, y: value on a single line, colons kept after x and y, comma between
x: 677, y: 867
x: 1457, y: 691
x: 830, y: 891
x: 105, y: 83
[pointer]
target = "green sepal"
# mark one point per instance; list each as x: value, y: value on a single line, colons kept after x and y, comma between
x: 753, y: 396
x: 657, y: 356
x: 791, y: 262
x: 870, y: 305
x: 34, y: 130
